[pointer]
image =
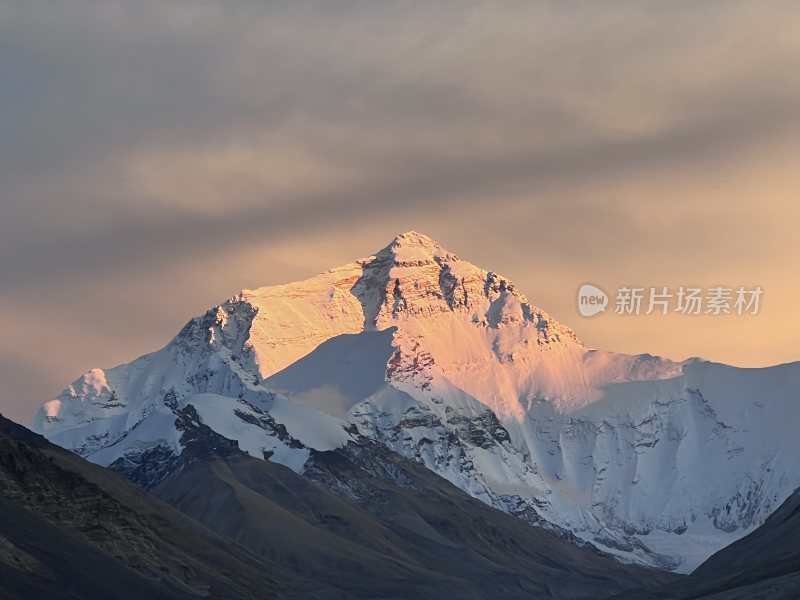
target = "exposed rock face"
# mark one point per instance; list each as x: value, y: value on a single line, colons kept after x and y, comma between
x: 450, y: 365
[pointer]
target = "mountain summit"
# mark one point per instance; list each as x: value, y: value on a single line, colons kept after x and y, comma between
x: 412, y: 283
x: 450, y: 365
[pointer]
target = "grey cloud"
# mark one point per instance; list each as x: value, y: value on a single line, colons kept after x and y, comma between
x: 412, y: 183
x: 433, y: 115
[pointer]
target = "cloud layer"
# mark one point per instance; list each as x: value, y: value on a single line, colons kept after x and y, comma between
x: 157, y: 156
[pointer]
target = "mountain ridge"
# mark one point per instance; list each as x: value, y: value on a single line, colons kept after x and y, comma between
x: 451, y: 365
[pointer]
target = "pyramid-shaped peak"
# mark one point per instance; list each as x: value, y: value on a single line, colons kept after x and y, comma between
x: 413, y: 243
x: 414, y: 238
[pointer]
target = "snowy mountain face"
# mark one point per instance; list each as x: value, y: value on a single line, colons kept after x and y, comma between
x: 653, y: 461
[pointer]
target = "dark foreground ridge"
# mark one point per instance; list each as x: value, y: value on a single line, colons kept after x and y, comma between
x: 362, y: 523
x: 70, y: 529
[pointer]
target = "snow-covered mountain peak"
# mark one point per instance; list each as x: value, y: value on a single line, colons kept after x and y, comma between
x: 413, y: 283
x: 449, y: 364
x: 415, y: 277
x: 412, y: 249
x: 413, y: 240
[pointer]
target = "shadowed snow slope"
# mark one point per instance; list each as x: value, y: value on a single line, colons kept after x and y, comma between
x: 450, y: 365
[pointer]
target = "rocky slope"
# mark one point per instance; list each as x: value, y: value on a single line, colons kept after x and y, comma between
x: 451, y: 366
x: 70, y: 529
x: 371, y: 524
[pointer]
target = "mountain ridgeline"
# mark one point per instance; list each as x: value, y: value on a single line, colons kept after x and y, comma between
x: 421, y: 370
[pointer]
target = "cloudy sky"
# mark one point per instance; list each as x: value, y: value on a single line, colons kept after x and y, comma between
x: 158, y: 156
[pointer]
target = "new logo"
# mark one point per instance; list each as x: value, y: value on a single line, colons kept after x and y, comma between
x: 591, y: 300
